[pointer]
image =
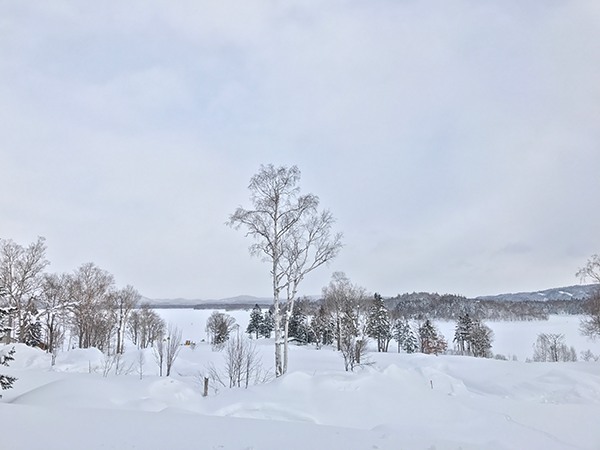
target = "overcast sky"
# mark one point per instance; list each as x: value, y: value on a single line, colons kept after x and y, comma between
x: 457, y: 143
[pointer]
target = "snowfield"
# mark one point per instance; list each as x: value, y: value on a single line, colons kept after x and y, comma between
x: 399, y: 402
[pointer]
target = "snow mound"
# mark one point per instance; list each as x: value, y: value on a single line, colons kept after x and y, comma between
x: 80, y: 360
x: 265, y: 411
x: 76, y: 392
x: 27, y: 357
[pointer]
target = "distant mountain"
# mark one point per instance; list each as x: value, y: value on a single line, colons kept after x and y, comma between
x: 170, y: 302
x: 577, y: 292
x: 238, y: 302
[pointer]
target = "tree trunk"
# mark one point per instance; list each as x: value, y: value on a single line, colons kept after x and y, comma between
x: 119, y: 338
x: 338, y: 333
x: 278, y: 341
x: 286, y: 325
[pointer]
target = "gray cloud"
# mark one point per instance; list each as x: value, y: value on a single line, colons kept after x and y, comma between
x: 443, y: 136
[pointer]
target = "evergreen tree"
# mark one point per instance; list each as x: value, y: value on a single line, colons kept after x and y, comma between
x: 481, y: 340
x: 431, y: 341
x: 463, y: 334
x: 378, y: 323
x: 298, y: 327
x: 472, y: 337
x: 405, y: 336
x: 323, y: 327
x: 268, y: 324
x: 6, y: 382
x: 256, y: 320
x: 33, y: 328
x: 352, y: 332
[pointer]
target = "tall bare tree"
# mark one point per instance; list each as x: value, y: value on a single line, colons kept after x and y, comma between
x: 21, y: 270
x: 173, y: 346
x: 218, y: 328
x: 347, y: 305
x: 54, y: 307
x: 291, y: 234
x: 123, y: 301
x: 590, y: 325
x: 591, y: 270
x: 93, y: 317
x: 145, y: 326
x: 167, y: 349
x: 551, y: 347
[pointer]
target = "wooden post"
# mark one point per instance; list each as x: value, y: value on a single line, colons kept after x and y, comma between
x: 205, y: 393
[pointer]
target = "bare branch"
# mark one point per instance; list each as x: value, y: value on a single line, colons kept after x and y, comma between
x: 290, y: 233
x: 591, y: 270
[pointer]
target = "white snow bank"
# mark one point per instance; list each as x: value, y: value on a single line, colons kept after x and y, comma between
x: 402, y: 401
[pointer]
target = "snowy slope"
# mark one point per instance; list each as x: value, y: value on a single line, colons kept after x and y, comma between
x: 400, y: 402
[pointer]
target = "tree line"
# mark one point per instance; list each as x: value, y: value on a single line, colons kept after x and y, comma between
x: 81, y: 309
x: 348, y: 318
x: 295, y: 238
x: 450, y: 306
x: 292, y: 235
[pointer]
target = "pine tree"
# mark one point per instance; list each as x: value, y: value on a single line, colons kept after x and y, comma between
x: 378, y: 323
x: 472, y: 337
x: 463, y: 334
x: 410, y: 340
x: 323, y: 327
x: 352, y: 331
x: 298, y: 327
x: 430, y: 339
x: 481, y: 340
x: 33, y: 327
x: 256, y: 320
x: 405, y: 336
x: 6, y: 382
x: 268, y: 324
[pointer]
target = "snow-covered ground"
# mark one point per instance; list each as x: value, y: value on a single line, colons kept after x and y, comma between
x: 400, y: 402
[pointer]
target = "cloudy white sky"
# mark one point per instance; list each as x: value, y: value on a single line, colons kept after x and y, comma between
x: 457, y: 143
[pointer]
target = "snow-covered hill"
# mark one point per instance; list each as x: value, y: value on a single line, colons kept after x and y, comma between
x: 577, y: 292
x: 400, y: 402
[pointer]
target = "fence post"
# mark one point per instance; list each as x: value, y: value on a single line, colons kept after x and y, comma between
x: 205, y: 393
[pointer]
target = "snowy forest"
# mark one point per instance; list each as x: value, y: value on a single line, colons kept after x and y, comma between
x: 85, y: 309
x: 78, y: 341
x: 57, y: 327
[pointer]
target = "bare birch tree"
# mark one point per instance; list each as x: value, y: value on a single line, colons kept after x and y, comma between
x: 242, y: 365
x: 123, y: 301
x: 159, y: 354
x: 346, y: 304
x: 167, y: 349
x: 551, y: 347
x: 54, y: 309
x: 93, y: 318
x: 21, y: 271
x: 590, y: 325
x: 291, y: 234
x: 145, y: 326
x: 591, y: 270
